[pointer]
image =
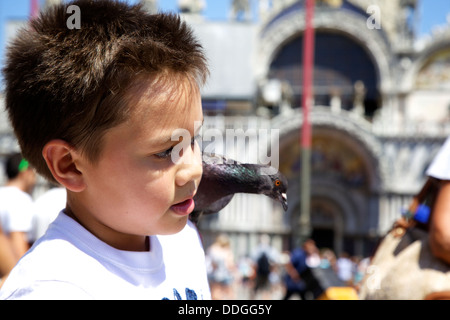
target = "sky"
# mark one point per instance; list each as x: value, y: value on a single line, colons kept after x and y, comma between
x: 431, y: 13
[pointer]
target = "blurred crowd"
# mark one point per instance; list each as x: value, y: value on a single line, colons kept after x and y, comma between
x: 23, y: 219
x: 303, y: 273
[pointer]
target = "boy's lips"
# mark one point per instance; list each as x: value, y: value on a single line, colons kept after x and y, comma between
x: 184, y: 208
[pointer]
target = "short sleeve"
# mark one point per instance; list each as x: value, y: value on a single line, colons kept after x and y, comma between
x: 440, y: 166
x: 21, y: 215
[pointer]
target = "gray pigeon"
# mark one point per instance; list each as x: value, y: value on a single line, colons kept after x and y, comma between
x: 222, y: 178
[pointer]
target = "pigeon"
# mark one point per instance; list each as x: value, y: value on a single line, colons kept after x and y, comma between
x: 222, y: 178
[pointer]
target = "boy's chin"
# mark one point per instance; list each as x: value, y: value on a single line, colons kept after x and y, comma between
x: 176, y: 226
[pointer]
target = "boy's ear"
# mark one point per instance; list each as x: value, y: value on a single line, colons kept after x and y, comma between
x: 60, y: 158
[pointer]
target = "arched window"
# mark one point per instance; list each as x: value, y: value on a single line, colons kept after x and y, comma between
x: 339, y: 63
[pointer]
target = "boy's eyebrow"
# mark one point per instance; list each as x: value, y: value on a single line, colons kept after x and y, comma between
x: 166, y: 140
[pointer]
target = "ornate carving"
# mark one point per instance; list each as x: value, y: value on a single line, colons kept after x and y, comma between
x: 191, y: 6
x: 239, y: 7
x: 354, y: 126
x: 150, y: 5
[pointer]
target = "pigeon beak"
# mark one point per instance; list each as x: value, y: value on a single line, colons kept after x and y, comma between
x: 283, y: 199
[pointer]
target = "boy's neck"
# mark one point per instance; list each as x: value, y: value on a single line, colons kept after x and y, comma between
x: 17, y: 183
x: 133, y: 245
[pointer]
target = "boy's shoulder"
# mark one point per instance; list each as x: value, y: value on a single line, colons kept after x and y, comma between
x: 57, y: 261
x: 51, y: 269
x: 81, y: 269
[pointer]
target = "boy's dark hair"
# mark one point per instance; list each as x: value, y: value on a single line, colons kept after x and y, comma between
x: 72, y: 84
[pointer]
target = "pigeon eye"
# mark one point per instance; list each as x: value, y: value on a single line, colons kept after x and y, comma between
x: 277, y: 183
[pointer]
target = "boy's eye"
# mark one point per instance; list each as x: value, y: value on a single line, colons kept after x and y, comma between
x: 168, y: 153
x: 164, y: 154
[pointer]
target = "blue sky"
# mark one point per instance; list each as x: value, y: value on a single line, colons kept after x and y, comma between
x: 432, y: 13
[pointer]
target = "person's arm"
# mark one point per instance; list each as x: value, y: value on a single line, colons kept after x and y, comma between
x: 19, y: 243
x: 7, y: 257
x: 292, y: 272
x: 440, y: 224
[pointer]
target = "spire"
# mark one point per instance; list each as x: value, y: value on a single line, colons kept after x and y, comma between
x: 150, y: 5
x: 49, y: 3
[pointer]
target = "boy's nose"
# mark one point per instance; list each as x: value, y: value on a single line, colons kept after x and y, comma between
x: 191, y: 168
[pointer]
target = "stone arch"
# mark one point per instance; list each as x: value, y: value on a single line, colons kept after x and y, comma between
x: 344, y: 211
x: 425, y: 86
x: 354, y: 128
x: 279, y: 32
x: 439, y: 44
x: 354, y: 205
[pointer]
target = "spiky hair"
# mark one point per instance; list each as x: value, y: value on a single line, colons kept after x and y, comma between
x: 70, y: 84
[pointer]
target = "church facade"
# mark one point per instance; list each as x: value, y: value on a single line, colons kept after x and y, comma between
x: 380, y: 114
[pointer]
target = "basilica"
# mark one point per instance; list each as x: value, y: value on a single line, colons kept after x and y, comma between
x: 380, y: 114
x: 381, y: 105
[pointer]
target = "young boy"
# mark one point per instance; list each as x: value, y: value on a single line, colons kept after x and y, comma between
x: 94, y: 109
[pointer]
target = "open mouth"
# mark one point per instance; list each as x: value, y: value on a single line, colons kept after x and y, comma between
x: 184, y: 208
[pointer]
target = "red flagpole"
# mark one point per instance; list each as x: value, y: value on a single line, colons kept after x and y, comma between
x: 307, y: 98
x: 308, y: 65
x: 34, y: 8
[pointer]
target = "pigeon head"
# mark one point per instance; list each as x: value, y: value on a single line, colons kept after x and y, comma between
x: 222, y: 178
x: 275, y: 187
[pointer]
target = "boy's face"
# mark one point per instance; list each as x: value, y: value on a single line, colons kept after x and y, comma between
x: 136, y: 189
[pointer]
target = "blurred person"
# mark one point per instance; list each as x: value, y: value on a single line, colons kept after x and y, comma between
x: 361, y: 269
x: 294, y: 283
x: 276, y: 281
x: 246, y: 271
x: 312, y: 253
x: 299, y: 278
x: 434, y: 194
x: 46, y: 209
x: 345, y: 268
x: 16, y: 204
x: 221, y: 271
x: 439, y: 224
x: 264, y: 257
x: 328, y: 259
x: 7, y: 257
x: 246, y: 276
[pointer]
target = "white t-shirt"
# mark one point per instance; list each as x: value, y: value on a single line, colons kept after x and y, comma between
x: 440, y: 166
x: 68, y: 262
x: 16, y: 210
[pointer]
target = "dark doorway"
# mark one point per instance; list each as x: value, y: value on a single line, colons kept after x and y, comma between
x: 324, y: 238
x: 339, y: 63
